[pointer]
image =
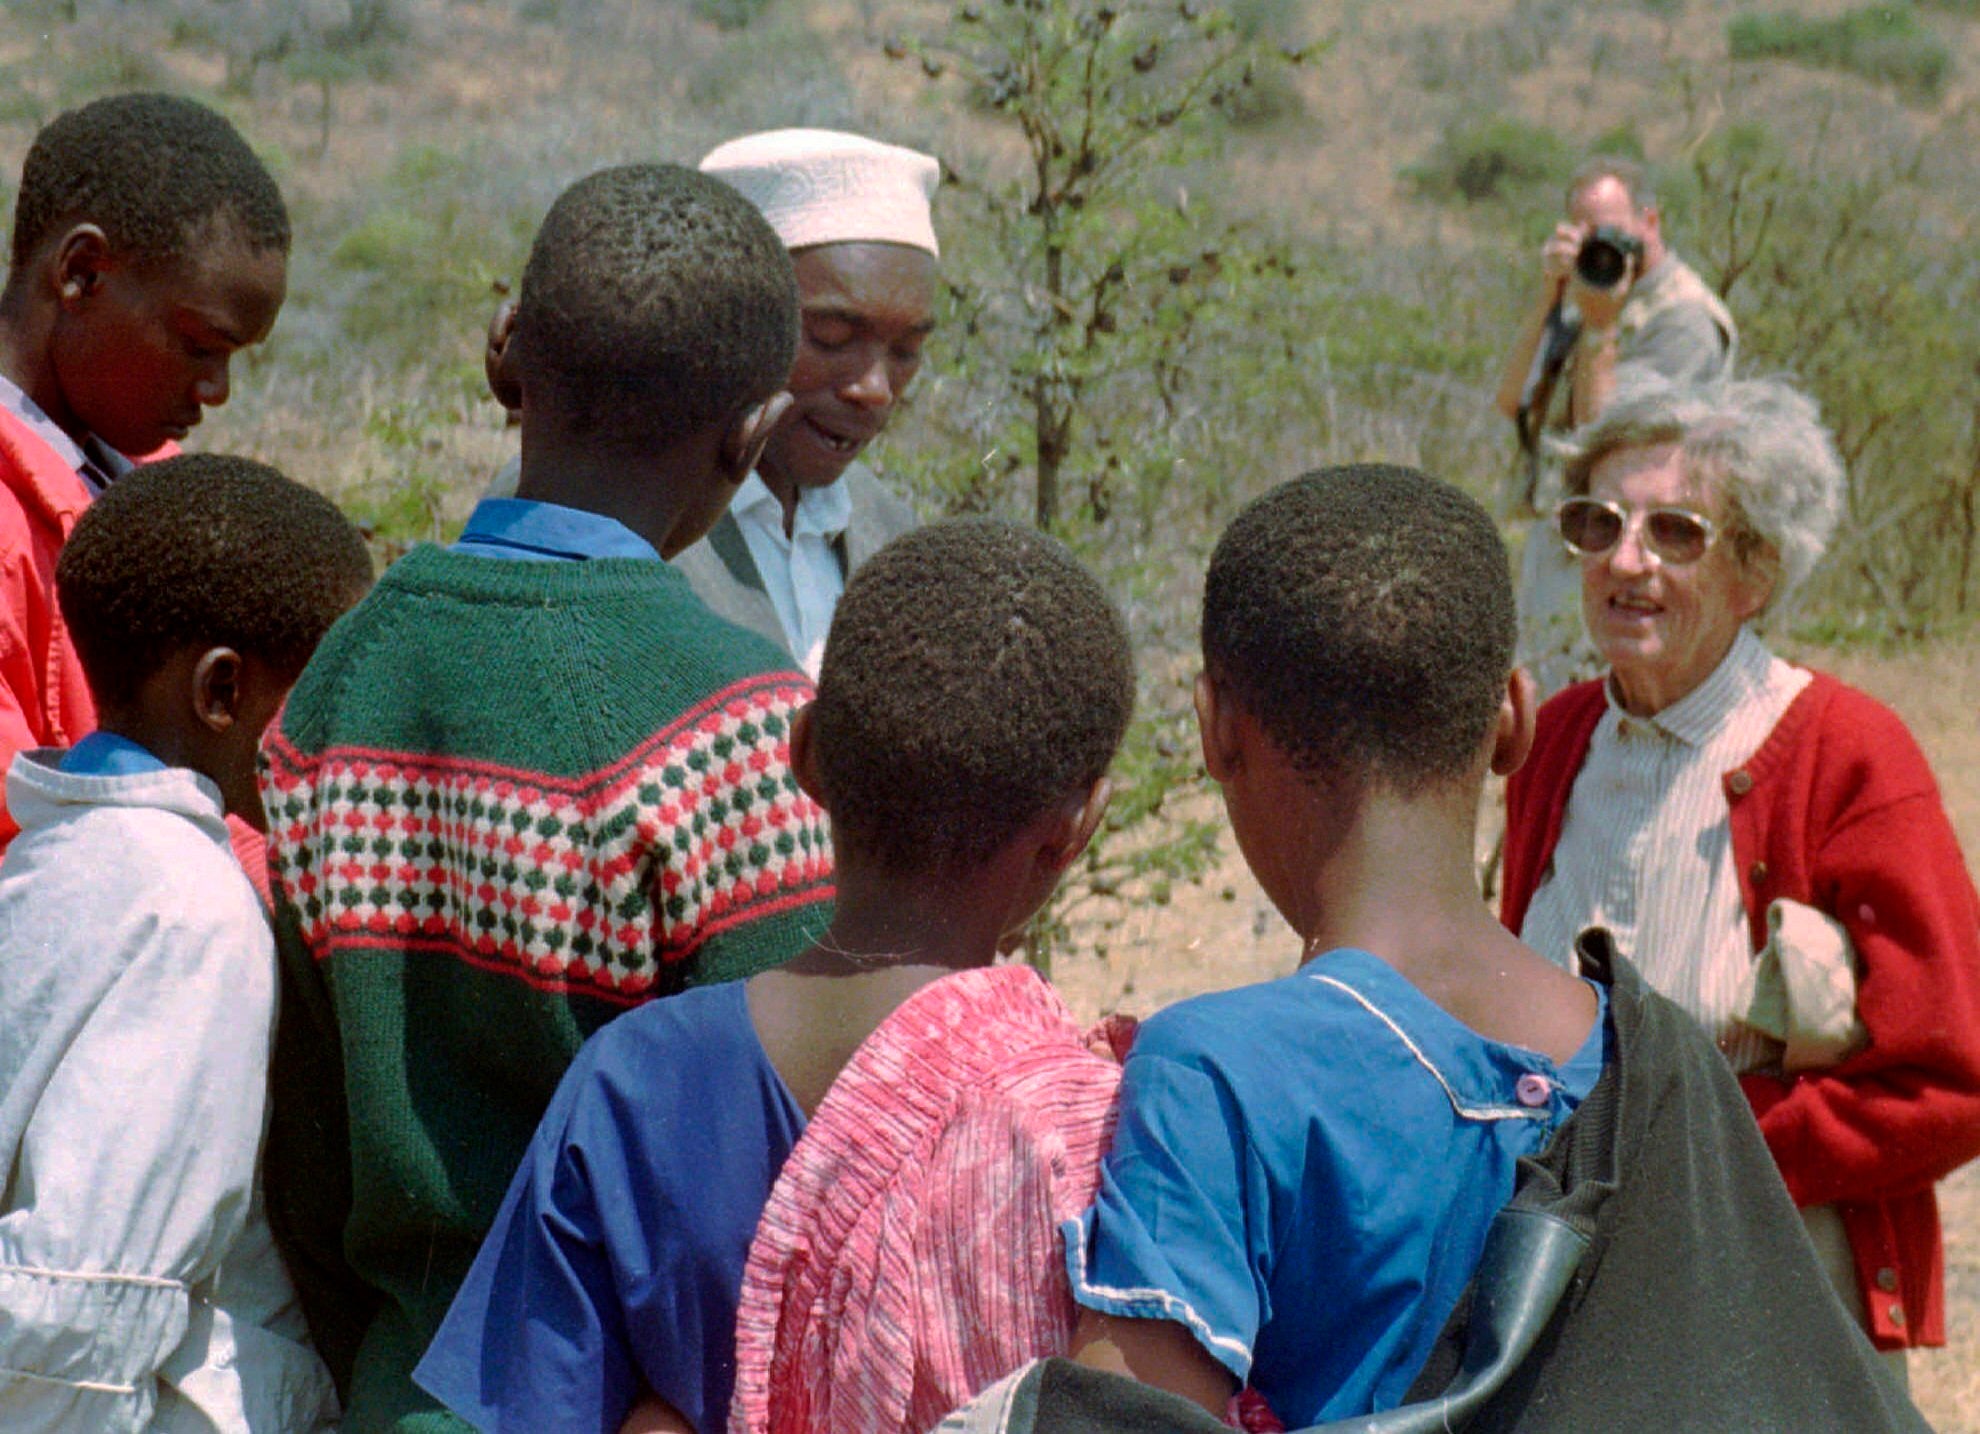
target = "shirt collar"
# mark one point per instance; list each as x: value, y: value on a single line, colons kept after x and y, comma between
x: 105, y: 754
x: 96, y: 462
x: 822, y: 512
x: 1698, y: 716
x: 528, y: 528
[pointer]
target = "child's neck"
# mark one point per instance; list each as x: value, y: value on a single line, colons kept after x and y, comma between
x: 890, y: 937
x: 1401, y: 883
x: 647, y: 488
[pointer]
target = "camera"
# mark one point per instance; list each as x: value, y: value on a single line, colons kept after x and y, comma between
x: 1605, y: 257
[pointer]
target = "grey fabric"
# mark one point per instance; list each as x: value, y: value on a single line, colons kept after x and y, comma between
x: 1701, y: 1304
x: 723, y: 575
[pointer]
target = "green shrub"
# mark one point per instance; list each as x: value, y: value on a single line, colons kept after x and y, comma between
x: 1489, y: 158
x: 1886, y: 43
x: 811, y: 89
x: 729, y: 14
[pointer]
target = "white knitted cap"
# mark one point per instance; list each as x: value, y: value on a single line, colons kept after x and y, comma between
x: 818, y: 186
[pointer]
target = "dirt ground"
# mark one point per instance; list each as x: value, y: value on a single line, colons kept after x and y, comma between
x: 1224, y: 933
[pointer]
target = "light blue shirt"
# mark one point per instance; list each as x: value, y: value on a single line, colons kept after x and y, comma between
x: 800, y: 569
x: 534, y: 531
x: 1304, y: 1172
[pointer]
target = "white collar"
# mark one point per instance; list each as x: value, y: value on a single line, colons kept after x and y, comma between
x: 1697, y: 717
x: 821, y: 512
x: 39, y: 792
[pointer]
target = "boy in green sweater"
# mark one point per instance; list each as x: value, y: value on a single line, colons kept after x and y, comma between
x: 532, y: 781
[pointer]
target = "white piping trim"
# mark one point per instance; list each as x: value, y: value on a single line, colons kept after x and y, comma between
x: 1469, y: 1112
x: 94, y: 1277
x: 89, y: 1384
x: 1172, y: 1307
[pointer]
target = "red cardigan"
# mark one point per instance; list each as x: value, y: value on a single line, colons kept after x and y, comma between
x: 1838, y: 810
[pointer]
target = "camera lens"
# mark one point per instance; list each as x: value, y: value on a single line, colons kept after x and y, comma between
x: 1601, y: 263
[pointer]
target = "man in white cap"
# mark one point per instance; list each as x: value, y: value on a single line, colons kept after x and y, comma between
x: 855, y: 215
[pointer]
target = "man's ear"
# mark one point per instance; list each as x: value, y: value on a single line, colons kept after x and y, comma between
x: 1216, y: 724
x: 81, y: 260
x: 743, y: 444
x: 1512, y: 738
x: 804, y: 755
x: 216, y: 688
x: 496, y: 360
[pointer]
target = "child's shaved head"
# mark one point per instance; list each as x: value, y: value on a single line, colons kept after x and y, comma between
x: 974, y: 675
x: 204, y: 550
x: 150, y: 171
x: 656, y: 293
x: 1364, y: 615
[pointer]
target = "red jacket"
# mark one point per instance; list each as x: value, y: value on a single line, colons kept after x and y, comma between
x: 1838, y: 810
x: 44, y: 700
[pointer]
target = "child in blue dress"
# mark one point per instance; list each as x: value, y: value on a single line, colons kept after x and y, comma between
x: 975, y: 686
x: 1304, y: 1170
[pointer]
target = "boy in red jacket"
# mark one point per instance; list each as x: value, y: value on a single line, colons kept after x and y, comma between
x: 149, y: 245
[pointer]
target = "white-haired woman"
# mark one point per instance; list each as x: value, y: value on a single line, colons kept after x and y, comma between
x: 1706, y: 792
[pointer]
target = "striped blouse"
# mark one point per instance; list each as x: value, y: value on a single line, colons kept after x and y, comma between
x: 1646, y: 845
x: 910, y: 1252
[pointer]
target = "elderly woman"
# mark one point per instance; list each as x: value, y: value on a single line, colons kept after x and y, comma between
x: 1705, y: 783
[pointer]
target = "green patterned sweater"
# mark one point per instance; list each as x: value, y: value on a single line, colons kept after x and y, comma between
x: 506, y: 801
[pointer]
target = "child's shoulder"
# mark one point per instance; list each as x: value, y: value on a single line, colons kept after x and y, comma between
x: 698, y: 1043
x: 1241, y: 1026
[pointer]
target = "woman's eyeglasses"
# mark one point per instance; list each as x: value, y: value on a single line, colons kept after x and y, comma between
x: 1593, y: 526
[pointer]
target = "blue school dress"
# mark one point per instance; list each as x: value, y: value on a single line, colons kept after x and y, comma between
x: 617, y: 1258
x: 1303, y: 1174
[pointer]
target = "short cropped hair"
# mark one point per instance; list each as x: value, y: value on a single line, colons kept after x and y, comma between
x: 1364, y: 616
x: 1634, y: 177
x: 656, y: 293
x: 150, y: 171
x: 975, y: 674
x: 1757, y: 447
x: 204, y: 550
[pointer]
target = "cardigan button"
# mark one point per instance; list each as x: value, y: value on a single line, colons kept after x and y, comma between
x: 1896, y: 1315
x: 1740, y: 783
x: 1887, y: 1280
x: 1758, y: 873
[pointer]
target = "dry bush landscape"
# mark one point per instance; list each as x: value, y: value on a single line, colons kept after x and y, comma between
x: 1360, y: 233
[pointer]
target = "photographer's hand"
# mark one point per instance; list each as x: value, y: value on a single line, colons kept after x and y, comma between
x: 1556, y: 268
x: 1557, y: 261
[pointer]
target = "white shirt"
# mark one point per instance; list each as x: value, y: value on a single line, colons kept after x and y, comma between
x: 139, y: 1285
x: 1646, y: 843
x: 800, y: 570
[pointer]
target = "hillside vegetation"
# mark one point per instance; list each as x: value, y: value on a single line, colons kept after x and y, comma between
x: 1368, y: 218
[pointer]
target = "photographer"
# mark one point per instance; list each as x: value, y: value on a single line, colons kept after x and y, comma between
x: 1614, y: 307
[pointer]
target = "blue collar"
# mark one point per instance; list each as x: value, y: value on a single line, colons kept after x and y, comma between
x: 535, y: 531
x: 105, y: 754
